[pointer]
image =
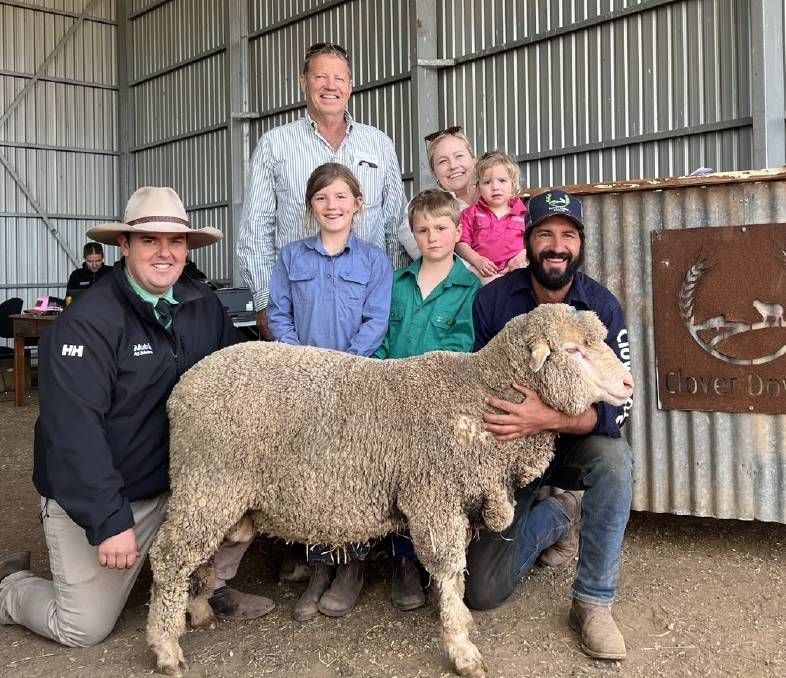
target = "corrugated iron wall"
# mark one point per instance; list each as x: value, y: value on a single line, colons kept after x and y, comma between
x: 59, y: 153
x: 698, y: 463
x: 177, y: 67
x: 602, y: 91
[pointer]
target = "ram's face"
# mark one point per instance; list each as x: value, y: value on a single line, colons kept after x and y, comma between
x: 575, y: 368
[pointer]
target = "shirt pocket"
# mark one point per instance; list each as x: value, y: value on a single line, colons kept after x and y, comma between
x: 281, y: 176
x: 302, y: 283
x: 370, y: 173
x: 354, y: 286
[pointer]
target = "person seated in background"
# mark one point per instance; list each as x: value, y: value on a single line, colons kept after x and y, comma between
x: 92, y: 270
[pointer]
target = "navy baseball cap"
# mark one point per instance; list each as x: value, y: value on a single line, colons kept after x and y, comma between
x: 554, y: 203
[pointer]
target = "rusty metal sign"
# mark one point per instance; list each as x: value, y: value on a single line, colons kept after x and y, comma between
x: 720, y: 338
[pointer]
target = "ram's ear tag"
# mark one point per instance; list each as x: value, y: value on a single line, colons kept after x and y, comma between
x: 540, y: 352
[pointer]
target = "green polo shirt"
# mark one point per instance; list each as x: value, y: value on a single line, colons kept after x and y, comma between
x: 150, y: 298
x: 441, y: 322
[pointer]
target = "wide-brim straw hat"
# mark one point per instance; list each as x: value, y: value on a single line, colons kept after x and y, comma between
x: 155, y: 209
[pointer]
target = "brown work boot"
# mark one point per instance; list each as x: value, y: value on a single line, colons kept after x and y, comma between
x: 237, y: 606
x: 14, y: 562
x: 343, y: 593
x: 565, y: 549
x: 600, y: 637
x: 294, y: 567
x: 307, y: 605
x: 407, y: 592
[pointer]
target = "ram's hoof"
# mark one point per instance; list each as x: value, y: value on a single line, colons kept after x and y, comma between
x: 470, y: 664
x: 176, y: 670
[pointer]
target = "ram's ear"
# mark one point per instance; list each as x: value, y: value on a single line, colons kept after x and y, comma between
x: 540, y: 352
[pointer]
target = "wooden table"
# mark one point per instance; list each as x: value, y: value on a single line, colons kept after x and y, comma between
x: 26, y: 326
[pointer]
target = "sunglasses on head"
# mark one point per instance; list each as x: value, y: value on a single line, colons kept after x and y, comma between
x: 430, y: 138
x: 318, y: 47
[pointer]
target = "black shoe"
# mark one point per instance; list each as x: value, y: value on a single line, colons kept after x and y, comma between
x: 14, y: 562
x: 407, y: 592
x: 236, y: 606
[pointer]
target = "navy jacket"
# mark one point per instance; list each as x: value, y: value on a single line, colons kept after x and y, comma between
x: 83, y: 278
x: 512, y: 295
x: 106, y: 370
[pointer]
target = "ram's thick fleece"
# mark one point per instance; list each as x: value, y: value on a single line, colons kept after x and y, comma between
x: 323, y: 447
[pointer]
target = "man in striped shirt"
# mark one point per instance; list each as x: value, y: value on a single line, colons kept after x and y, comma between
x: 274, y: 210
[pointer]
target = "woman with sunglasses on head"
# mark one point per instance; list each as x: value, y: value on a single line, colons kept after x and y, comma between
x: 452, y: 163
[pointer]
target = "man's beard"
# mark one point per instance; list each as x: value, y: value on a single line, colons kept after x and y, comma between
x: 554, y: 280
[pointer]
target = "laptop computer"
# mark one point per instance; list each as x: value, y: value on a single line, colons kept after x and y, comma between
x: 239, y: 304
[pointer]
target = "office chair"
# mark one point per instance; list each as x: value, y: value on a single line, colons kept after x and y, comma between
x: 8, y: 308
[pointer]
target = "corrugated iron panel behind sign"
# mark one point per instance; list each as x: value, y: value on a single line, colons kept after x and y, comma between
x: 698, y: 463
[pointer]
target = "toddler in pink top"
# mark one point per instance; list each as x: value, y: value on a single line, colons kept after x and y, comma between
x: 492, y: 229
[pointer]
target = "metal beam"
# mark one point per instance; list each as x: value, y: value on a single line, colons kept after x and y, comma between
x: 59, y: 12
x: 40, y: 70
x: 425, y: 96
x: 126, y: 110
x: 767, y: 83
x: 64, y: 81
x: 238, y: 146
x: 31, y: 198
x: 59, y: 149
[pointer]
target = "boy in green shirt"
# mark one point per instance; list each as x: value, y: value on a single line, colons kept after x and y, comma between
x: 431, y: 310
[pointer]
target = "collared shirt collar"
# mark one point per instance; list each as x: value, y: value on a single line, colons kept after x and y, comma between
x: 143, y: 294
x: 576, y: 293
x: 350, y: 121
x: 458, y: 275
x: 315, y: 243
x: 516, y: 206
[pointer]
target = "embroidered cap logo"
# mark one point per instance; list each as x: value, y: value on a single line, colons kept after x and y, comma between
x: 558, y: 203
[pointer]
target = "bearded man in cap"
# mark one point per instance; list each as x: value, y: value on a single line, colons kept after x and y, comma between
x: 590, y: 454
x: 101, y: 451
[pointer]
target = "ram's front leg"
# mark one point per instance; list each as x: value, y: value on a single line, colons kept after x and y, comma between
x: 497, y: 509
x: 440, y: 545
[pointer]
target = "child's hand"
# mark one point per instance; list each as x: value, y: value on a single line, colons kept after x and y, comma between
x: 486, y: 267
x: 519, y: 261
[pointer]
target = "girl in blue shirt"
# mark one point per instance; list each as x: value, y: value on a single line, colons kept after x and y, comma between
x: 331, y: 290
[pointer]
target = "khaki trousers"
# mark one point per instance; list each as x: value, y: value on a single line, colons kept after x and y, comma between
x: 83, y: 601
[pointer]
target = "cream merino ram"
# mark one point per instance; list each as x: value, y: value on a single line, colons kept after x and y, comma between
x: 317, y: 446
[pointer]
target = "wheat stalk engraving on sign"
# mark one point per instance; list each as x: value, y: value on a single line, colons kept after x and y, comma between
x: 686, y: 302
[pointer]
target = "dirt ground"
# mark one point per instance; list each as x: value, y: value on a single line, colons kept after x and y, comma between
x: 698, y: 597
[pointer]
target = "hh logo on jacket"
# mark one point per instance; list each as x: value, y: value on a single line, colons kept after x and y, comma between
x: 142, y: 349
x: 72, y: 350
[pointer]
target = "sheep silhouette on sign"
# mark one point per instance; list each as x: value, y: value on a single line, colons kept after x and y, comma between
x: 774, y: 311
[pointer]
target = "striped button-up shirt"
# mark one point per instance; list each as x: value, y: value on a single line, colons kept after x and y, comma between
x: 275, y: 206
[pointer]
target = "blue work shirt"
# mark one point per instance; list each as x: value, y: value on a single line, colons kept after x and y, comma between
x: 512, y: 295
x: 339, y: 301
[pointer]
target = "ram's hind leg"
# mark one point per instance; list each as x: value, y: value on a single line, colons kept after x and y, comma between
x: 186, y: 541
x: 202, y: 585
x: 440, y: 546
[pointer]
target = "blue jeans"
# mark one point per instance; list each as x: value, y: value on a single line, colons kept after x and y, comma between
x: 603, y: 468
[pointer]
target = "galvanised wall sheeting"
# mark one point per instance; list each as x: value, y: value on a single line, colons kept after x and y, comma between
x: 698, y: 463
x: 165, y: 105
x: 28, y: 37
x: 178, y: 67
x: 173, y: 33
x: 58, y: 139
x: 558, y: 79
